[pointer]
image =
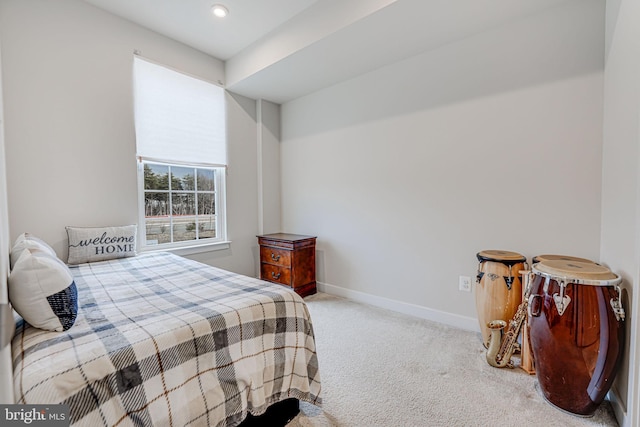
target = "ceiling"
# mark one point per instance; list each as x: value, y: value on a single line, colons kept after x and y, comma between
x: 280, y: 50
x: 192, y: 23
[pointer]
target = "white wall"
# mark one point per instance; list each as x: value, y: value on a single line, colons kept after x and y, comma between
x: 269, y: 166
x: 620, y: 248
x: 69, y: 124
x: 6, y: 380
x: 5, y: 243
x: 492, y: 142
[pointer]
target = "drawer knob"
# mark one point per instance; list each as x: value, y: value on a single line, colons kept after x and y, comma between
x: 275, y: 276
x: 275, y: 257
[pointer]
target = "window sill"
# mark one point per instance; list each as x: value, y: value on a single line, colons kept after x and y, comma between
x: 190, y: 250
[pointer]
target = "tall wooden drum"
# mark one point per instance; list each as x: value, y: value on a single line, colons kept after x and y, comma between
x: 576, y: 332
x: 499, y: 289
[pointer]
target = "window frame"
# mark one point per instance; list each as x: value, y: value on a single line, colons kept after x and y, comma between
x: 188, y: 246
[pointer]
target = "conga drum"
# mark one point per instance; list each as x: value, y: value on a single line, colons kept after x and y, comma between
x: 499, y: 289
x: 576, y: 332
x: 552, y: 257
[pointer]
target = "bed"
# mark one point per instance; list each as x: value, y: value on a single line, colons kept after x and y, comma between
x: 164, y: 340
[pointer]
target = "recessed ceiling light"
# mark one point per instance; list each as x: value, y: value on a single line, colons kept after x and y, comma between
x: 219, y: 10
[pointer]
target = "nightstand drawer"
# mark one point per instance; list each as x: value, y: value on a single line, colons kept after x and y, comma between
x: 275, y: 256
x: 274, y: 273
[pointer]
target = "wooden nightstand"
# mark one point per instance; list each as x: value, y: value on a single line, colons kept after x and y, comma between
x: 290, y: 260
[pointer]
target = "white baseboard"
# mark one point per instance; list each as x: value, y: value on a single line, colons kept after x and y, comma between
x: 618, y: 407
x: 462, y: 322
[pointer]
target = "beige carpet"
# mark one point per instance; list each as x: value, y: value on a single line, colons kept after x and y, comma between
x: 381, y: 368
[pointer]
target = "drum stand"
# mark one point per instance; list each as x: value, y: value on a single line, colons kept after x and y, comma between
x: 526, y: 359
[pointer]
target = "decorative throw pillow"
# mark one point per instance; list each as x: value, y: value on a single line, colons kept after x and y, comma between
x: 89, y: 244
x: 28, y: 241
x: 42, y: 291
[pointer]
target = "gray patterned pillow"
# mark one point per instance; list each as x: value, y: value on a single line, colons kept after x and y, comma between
x: 90, y: 244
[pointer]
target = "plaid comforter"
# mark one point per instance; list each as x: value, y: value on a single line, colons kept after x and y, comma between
x: 162, y: 340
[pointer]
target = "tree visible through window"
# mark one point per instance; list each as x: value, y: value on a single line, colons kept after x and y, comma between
x: 179, y: 203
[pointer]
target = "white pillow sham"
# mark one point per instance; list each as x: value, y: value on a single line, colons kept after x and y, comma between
x: 42, y: 291
x: 28, y: 241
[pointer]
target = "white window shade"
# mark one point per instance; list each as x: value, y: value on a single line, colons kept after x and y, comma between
x: 178, y: 118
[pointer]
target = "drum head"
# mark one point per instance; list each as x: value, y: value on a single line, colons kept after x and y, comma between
x: 578, y: 272
x: 504, y: 257
x: 549, y: 257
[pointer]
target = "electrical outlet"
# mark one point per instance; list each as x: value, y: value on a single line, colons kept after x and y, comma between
x: 465, y: 283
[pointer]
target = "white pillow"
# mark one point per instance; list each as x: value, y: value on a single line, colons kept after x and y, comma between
x: 42, y: 291
x: 89, y: 244
x: 28, y: 241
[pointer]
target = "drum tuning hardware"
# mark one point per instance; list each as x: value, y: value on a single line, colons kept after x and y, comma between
x: 617, y: 306
x: 534, y: 307
x: 508, y: 281
x: 562, y: 301
x: 617, y: 309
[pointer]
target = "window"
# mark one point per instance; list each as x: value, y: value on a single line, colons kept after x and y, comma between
x: 180, y: 203
x: 181, y: 152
